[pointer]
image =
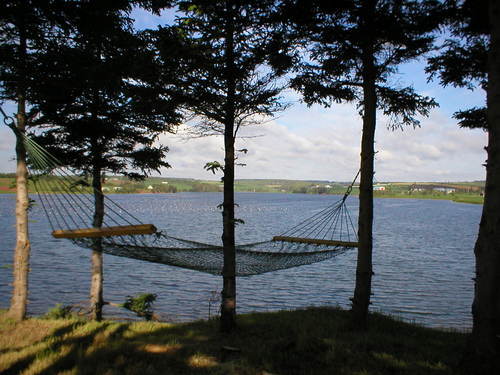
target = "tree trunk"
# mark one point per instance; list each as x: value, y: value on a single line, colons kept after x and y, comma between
x: 362, y: 291
x: 22, y: 251
x: 483, y: 352
x: 228, y: 300
x: 96, y: 287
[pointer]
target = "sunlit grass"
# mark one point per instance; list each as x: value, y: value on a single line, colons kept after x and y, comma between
x: 473, y: 198
x: 311, y: 341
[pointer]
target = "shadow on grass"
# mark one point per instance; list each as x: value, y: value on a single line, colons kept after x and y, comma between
x: 311, y: 341
x: 168, y: 349
x: 55, y: 332
x: 54, y: 343
x: 77, y: 347
x: 19, y: 366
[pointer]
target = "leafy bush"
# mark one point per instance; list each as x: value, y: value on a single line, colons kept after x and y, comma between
x: 141, y: 305
x: 59, y: 312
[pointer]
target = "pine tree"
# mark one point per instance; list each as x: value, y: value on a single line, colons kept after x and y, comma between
x: 228, y: 87
x: 25, y: 27
x: 471, y: 58
x: 353, y: 48
x: 99, y: 104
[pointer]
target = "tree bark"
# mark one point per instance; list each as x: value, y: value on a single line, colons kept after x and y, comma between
x: 483, y: 352
x: 96, y: 286
x: 22, y: 251
x: 364, y: 272
x: 228, y: 300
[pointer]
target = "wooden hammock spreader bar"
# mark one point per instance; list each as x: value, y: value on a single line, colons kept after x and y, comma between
x: 121, y: 230
x: 316, y: 241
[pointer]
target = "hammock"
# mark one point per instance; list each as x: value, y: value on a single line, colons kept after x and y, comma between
x: 68, y: 202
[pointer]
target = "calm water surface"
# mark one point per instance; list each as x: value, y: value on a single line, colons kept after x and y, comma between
x: 423, y: 259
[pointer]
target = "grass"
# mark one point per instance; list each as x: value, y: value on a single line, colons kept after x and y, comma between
x: 468, y: 199
x: 455, y: 197
x: 310, y: 341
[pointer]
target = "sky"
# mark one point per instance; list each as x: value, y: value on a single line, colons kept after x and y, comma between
x: 316, y: 143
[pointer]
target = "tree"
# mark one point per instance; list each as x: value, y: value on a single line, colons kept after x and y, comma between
x: 229, y: 87
x: 353, y: 48
x: 24, y: 26
x: 472, y: 57
x: 100, y: 106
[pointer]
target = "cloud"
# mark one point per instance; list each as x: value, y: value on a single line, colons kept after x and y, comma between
x: 438, y: 150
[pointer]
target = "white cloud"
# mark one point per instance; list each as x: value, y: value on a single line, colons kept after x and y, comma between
x: 438, y: 150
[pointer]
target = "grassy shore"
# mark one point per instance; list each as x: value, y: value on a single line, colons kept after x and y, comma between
x: 310, y: 341
x: 459, y: 198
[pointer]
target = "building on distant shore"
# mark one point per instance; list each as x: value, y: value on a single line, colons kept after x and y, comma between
x: 444, y: 190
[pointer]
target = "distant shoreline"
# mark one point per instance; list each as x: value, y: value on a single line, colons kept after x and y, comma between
x: 462, y: 192
x: 461, y: 198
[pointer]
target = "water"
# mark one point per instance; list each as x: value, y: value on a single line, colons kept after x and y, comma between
x: 423, y: 259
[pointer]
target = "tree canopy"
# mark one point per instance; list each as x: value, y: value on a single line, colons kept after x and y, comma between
x: 24, y: 29
x: 462, y: 60
x: 95, y: 95
x: 470, y: 58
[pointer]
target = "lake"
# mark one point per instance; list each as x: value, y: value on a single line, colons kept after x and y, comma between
x: 423, y: 259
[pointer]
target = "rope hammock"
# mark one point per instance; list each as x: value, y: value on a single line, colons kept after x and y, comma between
x: 68, y: 202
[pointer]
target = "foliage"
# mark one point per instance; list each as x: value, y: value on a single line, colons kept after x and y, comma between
x: 213, y: 76
x: 59, y: 311
x: 471, y: 59
x: 28, y: 23
x: 96, y: 96
x: 142, y: 304
x: 213, y: 166
x: 337, y: 38
x: 462, y: 60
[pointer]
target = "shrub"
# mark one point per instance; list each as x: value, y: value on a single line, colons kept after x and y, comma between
x: 59, y: 311
x: 141, y: 305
